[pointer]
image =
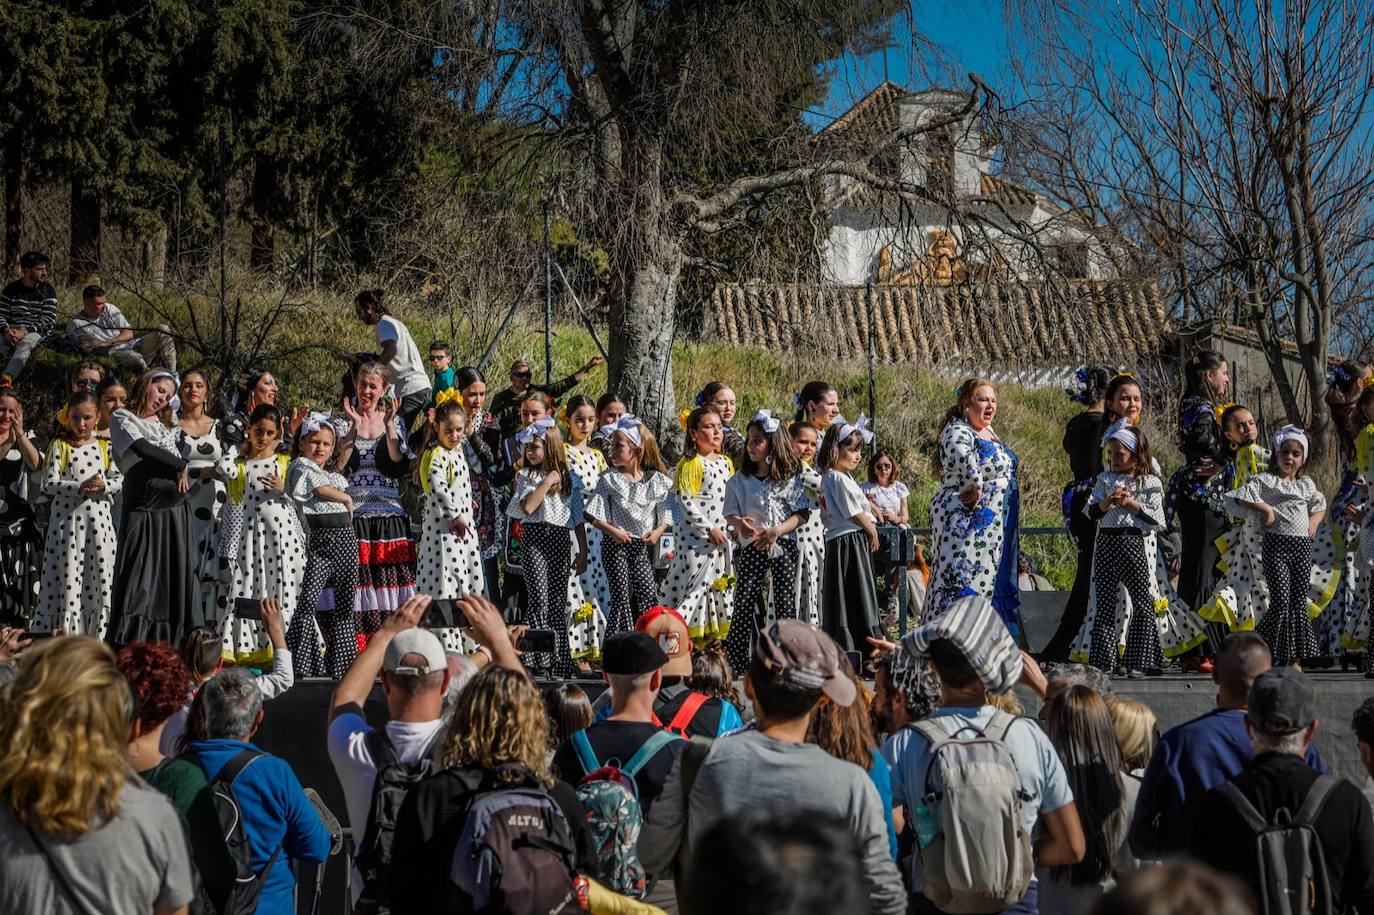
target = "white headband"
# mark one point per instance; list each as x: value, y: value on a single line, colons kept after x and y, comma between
x: 537, y: 429
x: 1291, y: 434
x: 630, y: 425
x: 847, y: 429
x: 1125, y: 433
x: 315, y: 422
x: 766, y: 419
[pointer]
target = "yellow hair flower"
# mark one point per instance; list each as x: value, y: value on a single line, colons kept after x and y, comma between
x: 1366, y: 381
x: 682, y: 417
x: 1222, y: 408
x: 447, y: 395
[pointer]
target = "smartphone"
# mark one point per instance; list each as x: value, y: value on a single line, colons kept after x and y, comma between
x: 538, y: 640
x: 856, y: 660
x: 444, y: 613
x: 248, y: 608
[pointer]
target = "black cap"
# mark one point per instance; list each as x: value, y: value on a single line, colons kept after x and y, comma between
x: 1281, y: 702
x: 632, y: 653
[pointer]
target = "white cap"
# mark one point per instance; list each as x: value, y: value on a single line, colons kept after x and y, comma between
x: 415, y: 641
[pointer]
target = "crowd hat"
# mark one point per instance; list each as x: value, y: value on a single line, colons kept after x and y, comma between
x: 632, y: 653
x: 414, y: 642
x: 805, y: 656
x: 1281, y: 702
x: 666, y: 626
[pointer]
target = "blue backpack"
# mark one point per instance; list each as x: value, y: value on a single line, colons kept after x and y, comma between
x: 614, y: 814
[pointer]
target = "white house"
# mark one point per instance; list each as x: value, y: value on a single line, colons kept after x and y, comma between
x: 978, y: 226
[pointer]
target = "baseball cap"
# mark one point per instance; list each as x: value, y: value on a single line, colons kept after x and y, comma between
x: 669, y: 629
x: 805, y: 656
x: 1281, y: 702
x: 632, y: 653
x: 415, y: 641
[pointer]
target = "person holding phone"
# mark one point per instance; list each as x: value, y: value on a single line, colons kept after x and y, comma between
x: 263, y: 540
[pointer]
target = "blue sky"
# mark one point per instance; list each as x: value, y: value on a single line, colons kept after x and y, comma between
x: 965, y: 36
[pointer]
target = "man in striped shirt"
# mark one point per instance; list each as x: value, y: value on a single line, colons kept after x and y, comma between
x: 28, y: 310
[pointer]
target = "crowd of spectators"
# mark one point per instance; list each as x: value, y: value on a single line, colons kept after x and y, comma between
x: 800, y: 790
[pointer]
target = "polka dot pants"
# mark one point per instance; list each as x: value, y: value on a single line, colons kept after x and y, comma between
x: 1120, y: 559
x: 631, y: 576
x: 1287, y: 573
x: 331, y: 562
x: 545, y: 560
x: 750, y: 566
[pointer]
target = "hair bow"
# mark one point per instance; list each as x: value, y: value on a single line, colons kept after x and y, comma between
x: 1341, y: 374
x: 767, y: 420
x: 628, y: 424
x: 537, y: 429
x: 796, y: 401
x: 315, y: 422
x: 847, y: 429
x: 1123, y: 432
x: 1291, y: 434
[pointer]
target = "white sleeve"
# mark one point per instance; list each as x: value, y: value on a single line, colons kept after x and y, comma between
x: 386, y: 329
x: 280, y: 678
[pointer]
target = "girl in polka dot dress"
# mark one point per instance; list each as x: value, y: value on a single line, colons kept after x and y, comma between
x: 547, y: 503
x: 331, y: 565
x: 589, y: 593
x: 449, y: 562
x: 262, y: 536
x: 811, y: 533
x: 1134, y: 618
x: 765, y: 501
x: 700, y: 584
x: 79, y: 558
x: 630, y: 508
x: 1290, y: 508
x: 1238, y: 600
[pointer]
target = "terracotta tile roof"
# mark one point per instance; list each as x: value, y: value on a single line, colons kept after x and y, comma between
x: 870, y: 118
x: 1013, y: 195
x: 1003, y: 325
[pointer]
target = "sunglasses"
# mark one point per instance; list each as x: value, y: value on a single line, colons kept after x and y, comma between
x: 435, y: 357
x: 524, y: 374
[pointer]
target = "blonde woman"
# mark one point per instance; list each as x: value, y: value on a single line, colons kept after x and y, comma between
x: 79, y: 830
x: 496, y: 736
x: 1137, y: 732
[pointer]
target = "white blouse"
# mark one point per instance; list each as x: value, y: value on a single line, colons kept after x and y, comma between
x: 841, y: 501
x: 1294, y: 501
x: 636, y: 506
x: 1146, y: 490
x: 556, y: 509
x: 304, y: 477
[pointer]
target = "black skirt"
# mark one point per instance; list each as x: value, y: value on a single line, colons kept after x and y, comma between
x: 849, y: 593
x: 155, y: 586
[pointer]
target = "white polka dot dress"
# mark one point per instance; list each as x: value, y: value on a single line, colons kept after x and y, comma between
x: 448, y: 566
x: 79, y: 556
x: 810, y: 550
x: 268, y: 555
x: 589, y: 594
x: 698, y: 574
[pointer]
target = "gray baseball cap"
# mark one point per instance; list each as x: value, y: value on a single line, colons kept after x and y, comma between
x: 804, y: 655
x: 1281, y: 702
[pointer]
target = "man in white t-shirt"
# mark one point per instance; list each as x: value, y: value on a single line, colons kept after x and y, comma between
x: 399, y: 354
x: 414, y: 671
x: 102, y: 330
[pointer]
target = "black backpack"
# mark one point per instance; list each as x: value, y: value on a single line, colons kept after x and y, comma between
x: 394, y: 780
x: 516, y: 853
x: 242, y: 898
x: 1292, y: 876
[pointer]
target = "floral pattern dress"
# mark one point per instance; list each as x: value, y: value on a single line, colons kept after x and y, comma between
x: 975, y: 546
x: 589, y: 594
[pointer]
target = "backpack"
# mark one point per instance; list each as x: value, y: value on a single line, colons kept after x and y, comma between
x: 242, y: 898
x: 686, y: 713
x: 980, y: 860
x: 1292, y: 874
x: 516, y: 854
x: 614, y: 815
x: 394, y: 780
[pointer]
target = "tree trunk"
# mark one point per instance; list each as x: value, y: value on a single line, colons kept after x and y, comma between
x: 262, y: 246
x: 14, y: 201
x: 645, y: 316
x: 155, y: 258
x: 83, y: 259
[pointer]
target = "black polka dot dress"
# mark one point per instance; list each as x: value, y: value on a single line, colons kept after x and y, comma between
x: 79, y: 556
x: 207, y: 498
x: 269, y: 555
x: 447, y: 565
